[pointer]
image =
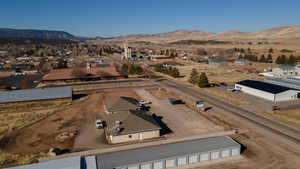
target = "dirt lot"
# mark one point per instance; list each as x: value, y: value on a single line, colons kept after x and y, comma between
x: 90, y: 137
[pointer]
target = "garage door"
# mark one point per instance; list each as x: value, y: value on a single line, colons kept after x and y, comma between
x: 204, y: 157
x: 214, y: 155
x: 182, y: 160
x: 158, y: 165
x: 170, y: 163
x: 193, y: 158
x: 225, y: 153
x: 235, y: 152
x: 133, y: 167
x: 146, y: 166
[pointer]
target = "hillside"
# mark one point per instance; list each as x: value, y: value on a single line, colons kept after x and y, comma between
x: 35, y: 34
x: 273, y: 34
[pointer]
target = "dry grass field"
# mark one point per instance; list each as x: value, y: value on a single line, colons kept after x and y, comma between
x: 216, y: 74
x: 290, y: 117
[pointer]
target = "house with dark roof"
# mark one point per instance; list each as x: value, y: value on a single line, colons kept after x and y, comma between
x: 120, y: 104
x: 130, y: 125
x: 268, y: 91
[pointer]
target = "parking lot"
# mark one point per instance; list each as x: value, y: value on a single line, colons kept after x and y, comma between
x: 179, y: 118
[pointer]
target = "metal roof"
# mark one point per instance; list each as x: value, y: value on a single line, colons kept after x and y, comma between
x: 66, y: 163
x: 293, y: 83
x: 267, y: 87
x: 35, y: 94
x: 123, y: 158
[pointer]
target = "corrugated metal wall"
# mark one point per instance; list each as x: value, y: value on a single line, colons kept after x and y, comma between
x: 185, y: 160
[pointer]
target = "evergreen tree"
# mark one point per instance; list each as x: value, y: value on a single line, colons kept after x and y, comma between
x: 269, y: 58
x: 278, y: 60
x: 124, y: 68
x: 271, y: 50
x: 249, y: 51
x: 262, y: 58
x: 284, y: 59
x: 292, y: 60
x: 242, y: 50
x: 203, y: 80
x: 194, y: 76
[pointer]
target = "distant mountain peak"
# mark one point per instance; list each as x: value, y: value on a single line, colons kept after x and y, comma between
x: 35, y: 33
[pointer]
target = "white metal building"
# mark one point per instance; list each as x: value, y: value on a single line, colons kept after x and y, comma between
x: 268, y: 91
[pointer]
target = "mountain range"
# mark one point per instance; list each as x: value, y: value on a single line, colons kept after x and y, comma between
x: 290, y: 33
x: 35, y: 34
x: 273, y: 34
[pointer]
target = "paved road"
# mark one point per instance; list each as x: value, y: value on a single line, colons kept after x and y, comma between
x: 114, y: 89
x: 287, y: 132
x: 96, y: 82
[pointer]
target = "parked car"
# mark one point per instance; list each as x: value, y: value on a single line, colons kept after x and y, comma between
x: 144, y: 102
x: 223, y: 84
x: 232, y: 89
x: 175, y: 101
x: 199, y: 103
x: 100, y: 124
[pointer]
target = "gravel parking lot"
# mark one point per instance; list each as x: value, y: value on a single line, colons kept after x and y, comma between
x: 179, y: 118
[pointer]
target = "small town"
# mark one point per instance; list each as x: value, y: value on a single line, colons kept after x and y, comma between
x: 202, y: 97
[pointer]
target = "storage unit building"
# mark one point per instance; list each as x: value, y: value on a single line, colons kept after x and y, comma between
x: 36, y: 95
x: 268, y: 91
x: 173, y: 155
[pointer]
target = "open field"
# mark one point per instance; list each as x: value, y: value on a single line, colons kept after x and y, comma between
x: 220, y: 74
x: 290, y: 117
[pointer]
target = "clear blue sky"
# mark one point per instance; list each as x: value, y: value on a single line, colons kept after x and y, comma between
x: 118, y: 17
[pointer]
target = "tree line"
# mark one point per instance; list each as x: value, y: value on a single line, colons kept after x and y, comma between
x: 169, y: 70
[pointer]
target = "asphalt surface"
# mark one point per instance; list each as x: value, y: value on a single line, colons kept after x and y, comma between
x: 99, y: 82
x: 283, y: 130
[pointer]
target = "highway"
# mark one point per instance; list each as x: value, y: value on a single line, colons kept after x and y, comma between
x: 283, y: 130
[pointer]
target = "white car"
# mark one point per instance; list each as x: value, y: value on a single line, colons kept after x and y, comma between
x: 99, y: 124
x: 144, y: 102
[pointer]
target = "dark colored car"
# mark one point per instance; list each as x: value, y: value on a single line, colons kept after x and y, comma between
x: 176, y: 101
x: 223, y: 84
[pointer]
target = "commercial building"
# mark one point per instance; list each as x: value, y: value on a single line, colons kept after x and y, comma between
x: 36, y: 95
x: 173, y: 155
x: 268, y: 91
x: 287, y: 82
x: 158, y: 57
x: 130, y: 125
x: 217, y: 62
x: 241, y: 62
x: 286, y: 71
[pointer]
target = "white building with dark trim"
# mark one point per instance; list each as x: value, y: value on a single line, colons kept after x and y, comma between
x: 268, y: 91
